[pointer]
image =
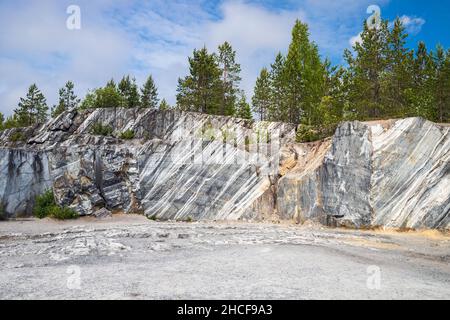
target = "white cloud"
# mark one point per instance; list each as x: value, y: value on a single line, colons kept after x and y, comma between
x: 39, y: 48
x: 139, y: 38
x: 413, y: 25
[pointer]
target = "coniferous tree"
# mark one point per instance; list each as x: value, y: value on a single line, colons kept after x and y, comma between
x: 441, y: 85
x: 2, y: 120
x: 243, y: 108
x: 67, y: 100
x: 261, y: 100
x: 149, y: 94
x: 230, y: 76
x: 333, y: 103
x: 129, y: 92
x: 32, y: 109
x: 366, y: 70
x: 420, y: 95
x: 305, y: 77
x: 201, y: 89
x: 11, y: 122
x: 277, y: 108
x: 164, y: 105
x: 111, y: 84
x: 397, y: 78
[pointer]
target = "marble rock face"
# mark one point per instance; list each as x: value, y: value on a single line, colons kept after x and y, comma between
x: 391, y: 173
x: 182, y: 165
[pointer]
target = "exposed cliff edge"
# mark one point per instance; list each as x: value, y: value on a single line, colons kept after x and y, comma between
x: 187, y: 165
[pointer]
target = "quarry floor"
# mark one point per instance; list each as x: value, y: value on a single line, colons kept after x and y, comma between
x: 130, y: 257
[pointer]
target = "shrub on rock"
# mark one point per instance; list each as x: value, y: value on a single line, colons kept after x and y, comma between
x: 46, y: 206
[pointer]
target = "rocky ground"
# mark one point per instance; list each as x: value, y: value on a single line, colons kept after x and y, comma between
x: 130, y: 257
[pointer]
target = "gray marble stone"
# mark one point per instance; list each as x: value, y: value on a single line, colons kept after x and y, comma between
x: 194, y: 166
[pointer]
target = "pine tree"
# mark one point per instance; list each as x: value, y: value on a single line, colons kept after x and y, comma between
x: 230, y: 76
x: 305, y: 77
x: 2, y: 120
x: 397, y: 78
x: 261, y: 100
x: 421, y: 96
x: 441, y: 85
x: 129, y: 92
x: 201, y: 89
x: 366, y: 71
x: 333, y: 103
x: 164, y: 105
x: 11, y: 122
x: 243, y: 108
x: 277, y: 108
x: 445, y: 106
x: 111, y: 84
x: 67, y: 100
x: 149, y: 96
x: 32, y: 109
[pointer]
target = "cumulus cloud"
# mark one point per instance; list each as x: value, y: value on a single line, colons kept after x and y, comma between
x: 154, y: 37
x: 39, y: 48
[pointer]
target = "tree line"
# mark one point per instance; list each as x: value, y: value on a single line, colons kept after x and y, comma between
x: 33, y: 108
x: 212, y: 85
x: 382, y: 79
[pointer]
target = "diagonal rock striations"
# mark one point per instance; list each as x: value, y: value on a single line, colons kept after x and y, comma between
x: 184, y: 165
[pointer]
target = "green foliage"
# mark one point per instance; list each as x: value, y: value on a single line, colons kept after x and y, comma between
x: 366, y: 70
x: 306, y: 133
x: 2, y: 121
x: 108, y: 97
x: 99, y: 129
x: 129, y: 92
x: 383, y: 79
x: 89, y: 101
x: 17, y: 137
x: 63, y: 213
x: 32, y: 109
x: 277, y: 109
x: 293, y: 89
x: 261, y: 100
x: 230, y: 79
x: 67, y: 100
x: 304, y: 76
x: 149, y: 96
x: 127, y: 135
x: 212, y: 85
x: 243, y: 109
x: 164, y: 105
x: 201, y: 90
x: 45, y: 206
x: 11, y: 122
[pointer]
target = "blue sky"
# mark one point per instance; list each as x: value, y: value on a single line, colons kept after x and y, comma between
x: 120, y: 37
